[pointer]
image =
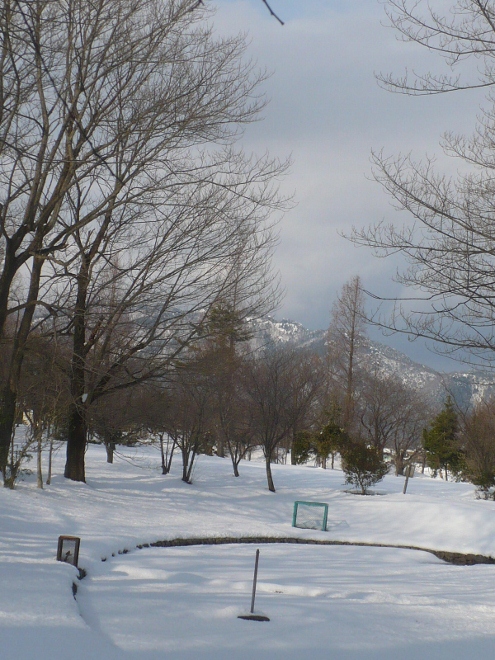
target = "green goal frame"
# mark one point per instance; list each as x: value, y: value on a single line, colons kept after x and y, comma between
x: 322, y: 505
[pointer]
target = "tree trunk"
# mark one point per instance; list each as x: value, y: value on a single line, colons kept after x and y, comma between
x: 76, y: 441
x: 162, y: 454
x: 110, y: 448
x: 39, y: 473
x: 220, y: 446
x: 185, y: 463
x: 166, y: 455
x: 269, y: 477
x: 8, y: 398
x: 76, y: 446
x: 50, y: 457
x: 188, y: 458
x: 170, y: 455
x: 7, y: 420
x: 11, y: 469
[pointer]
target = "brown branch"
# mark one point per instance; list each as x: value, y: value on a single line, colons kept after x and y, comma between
x: 272, y: 12
x: 265, y: 2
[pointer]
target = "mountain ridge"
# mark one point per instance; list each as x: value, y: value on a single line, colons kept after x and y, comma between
x: 465, y: 387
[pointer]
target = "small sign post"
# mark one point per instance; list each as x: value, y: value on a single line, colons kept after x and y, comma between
x: 68, y: 549
x: 409, y: 473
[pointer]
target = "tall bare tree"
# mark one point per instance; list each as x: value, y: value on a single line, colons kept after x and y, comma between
x: 345, y: 343
x: 392, y: 416
x: 279, y: 392
x: 191, y: 413
x: 449, y: 240
x: 477, y: 441
x: 118, y: 121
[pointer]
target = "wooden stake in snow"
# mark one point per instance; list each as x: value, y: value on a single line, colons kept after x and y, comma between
x: 252, y: 616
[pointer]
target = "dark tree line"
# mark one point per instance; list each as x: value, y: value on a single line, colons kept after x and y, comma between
x: 226, y: 398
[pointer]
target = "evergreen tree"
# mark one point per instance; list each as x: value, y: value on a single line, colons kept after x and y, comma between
x: 303, y: 447
x: 331, y: 439
x: 441, y: 444
x: 363, y: 466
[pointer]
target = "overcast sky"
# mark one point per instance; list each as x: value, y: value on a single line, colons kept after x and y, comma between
x: 327, y: 111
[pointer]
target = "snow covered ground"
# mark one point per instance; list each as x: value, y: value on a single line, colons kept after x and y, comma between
x: 339, y: 602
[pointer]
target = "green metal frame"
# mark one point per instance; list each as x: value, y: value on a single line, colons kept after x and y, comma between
x: 325, y: 512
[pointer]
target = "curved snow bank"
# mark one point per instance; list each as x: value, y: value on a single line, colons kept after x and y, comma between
x: 457, y: 558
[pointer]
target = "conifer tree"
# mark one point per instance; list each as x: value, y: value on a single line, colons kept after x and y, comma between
x: 332, y: 438
x: 441, y: 443
x: 363, y: 466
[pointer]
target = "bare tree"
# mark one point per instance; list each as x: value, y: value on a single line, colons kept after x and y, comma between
x: 131, y: 322
x: 190, y: 416
x: 235, y: 424
x: 450, y: 240
x: 277, y: 399
x: 222, y: 355
x: 42, y: 398
x: 393, y: 417
x: 345, y: 342
x: 127, y: 159
x: 477, y: 440
x: 464, y: 29
x: 116, y: 420
x: 308, y: 382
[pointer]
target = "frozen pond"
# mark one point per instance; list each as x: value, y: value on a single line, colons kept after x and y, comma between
x: 323, y: 602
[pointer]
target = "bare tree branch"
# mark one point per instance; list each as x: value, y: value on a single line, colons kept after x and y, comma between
x: 265, y: 2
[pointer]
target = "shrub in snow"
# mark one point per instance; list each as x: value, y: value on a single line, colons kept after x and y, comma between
x: 363, y: 466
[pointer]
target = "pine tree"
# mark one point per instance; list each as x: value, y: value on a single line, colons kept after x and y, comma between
x: 303, y: 447
x: 363, y: 466
x: 332, y: 437
x: 441, y: 444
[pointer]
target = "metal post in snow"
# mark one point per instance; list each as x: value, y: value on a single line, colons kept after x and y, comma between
x: 255, y: 579
x: 252, y: 616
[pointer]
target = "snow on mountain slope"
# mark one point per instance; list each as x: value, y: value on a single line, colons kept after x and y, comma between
x: 465, y: 387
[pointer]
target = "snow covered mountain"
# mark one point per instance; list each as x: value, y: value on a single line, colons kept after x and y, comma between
x: 466, y: 387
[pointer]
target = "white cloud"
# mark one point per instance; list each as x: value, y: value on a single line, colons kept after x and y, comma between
x: 328, y: 111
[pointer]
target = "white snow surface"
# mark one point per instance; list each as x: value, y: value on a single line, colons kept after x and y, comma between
x: 180, y: 603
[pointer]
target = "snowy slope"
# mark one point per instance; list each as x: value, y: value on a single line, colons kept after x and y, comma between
x: 181, y: 603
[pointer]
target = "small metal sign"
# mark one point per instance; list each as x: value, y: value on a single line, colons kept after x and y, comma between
x: 68, y: 549
x: 409, y: 470
x: 408, y: 473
